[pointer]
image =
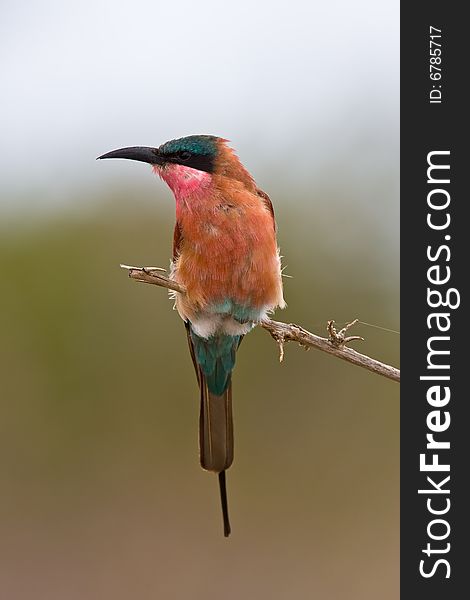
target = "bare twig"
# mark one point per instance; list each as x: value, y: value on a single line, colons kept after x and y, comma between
x: 153, y: 275
x: 283, y: 332
x: 335, y: 344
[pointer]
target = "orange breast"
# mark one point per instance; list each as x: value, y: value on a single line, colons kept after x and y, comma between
x: 229, y: 251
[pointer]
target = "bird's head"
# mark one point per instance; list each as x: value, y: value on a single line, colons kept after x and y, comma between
x: 195, y: 151
x: 188, y: 164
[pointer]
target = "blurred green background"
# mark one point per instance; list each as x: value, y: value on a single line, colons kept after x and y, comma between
x: 102, y: 494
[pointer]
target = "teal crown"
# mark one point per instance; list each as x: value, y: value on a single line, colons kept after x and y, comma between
x: 205, y: 145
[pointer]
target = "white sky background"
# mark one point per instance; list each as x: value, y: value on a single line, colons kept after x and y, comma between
x: 295, y: 85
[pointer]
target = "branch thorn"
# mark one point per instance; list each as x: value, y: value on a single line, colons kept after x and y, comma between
x: 338, y: 338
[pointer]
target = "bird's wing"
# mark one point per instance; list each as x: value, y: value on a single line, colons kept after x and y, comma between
x: 187, y: 324
x: 267, y: 202
x: 177, y: 240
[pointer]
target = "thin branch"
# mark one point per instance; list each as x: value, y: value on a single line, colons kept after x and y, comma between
x: 283, y: 332
x: 335, y: 344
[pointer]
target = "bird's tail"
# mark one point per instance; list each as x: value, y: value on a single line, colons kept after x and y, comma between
x: 214, y: 359
x: 216, y: 438
x: 215, y: 428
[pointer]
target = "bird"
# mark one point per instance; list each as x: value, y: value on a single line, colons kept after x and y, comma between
x: 226, y: 256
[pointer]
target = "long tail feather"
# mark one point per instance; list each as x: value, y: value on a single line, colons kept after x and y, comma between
x: 223, y: 500
x: 216, y: 438
x: 215, y: 428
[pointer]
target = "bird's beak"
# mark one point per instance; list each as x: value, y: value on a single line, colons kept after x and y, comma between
x: 140, y: 153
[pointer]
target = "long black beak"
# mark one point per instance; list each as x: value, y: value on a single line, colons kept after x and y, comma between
x: 140, y: 153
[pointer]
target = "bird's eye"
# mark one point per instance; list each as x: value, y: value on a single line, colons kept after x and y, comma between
x: 184, y: 155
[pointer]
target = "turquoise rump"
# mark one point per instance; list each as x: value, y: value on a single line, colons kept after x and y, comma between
x: 215, y: 354
x: 216, y: 358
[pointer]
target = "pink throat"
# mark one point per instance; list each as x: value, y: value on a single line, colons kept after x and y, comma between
x: 183, y: 181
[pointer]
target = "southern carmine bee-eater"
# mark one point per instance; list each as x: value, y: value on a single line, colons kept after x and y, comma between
x: 225, y: 255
